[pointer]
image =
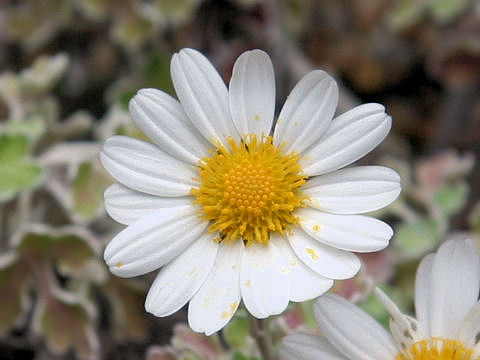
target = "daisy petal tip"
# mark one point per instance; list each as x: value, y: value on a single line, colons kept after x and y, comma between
x: 325, y: 302
x: 108, y: 254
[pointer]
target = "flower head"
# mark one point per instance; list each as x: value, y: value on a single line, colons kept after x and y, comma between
x: 231, y: 212
x: 447, y: 325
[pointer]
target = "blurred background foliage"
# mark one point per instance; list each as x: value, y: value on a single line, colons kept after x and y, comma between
x: 67, y: 71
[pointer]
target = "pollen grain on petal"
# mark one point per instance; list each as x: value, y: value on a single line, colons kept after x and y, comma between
x: 312, y: 254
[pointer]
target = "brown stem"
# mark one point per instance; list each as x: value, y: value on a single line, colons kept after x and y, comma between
x: 260, y: 334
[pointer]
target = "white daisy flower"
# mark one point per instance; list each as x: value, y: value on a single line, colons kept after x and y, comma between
x: 232, y: 213
x: 447, y: 325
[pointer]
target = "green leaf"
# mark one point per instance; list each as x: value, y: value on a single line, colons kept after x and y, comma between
x: 68, y: 250
x: 13, y: 147
x: 87, y: 191
x: 33, y: 128
x: 415, y: 238
x: 18, y: 172
x: 157, y: 72
x: 71, y: 253
x: 451, y: 198
x: 127, y: 299
x: 474, y: 218
x: 13, y: 279
x: 239, y: 356
x: 372, y: 306
x: 67, y: 326
x: 447, y: 10
x: 407, y: 13
x: 237, y: 332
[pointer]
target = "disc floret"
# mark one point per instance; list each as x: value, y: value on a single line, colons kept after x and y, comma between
x: 249, y: 190
x: 437, y: 349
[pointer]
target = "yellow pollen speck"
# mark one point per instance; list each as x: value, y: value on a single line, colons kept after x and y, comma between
x: 256, y: 118
x: 437, y: 349
x: 227, y: 314
x: 119, y: 264
x: 293, y: 263
x: 192, y: 272
x: 248, y: 283
x: 249, y: 190
x: 312, y: 253
x: 234, y: 267
x: 316, y: 227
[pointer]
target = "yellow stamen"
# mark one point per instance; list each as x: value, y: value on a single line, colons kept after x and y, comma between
x: 437, y: 349
x: 250, y: 190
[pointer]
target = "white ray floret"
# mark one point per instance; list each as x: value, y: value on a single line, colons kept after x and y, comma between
x: 446, y: 328
x: 218, y: 204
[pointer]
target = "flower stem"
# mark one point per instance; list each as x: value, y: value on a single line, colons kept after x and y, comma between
x: 260, y: 334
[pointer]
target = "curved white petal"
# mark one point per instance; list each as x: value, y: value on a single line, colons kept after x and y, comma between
x: 203, y: 95
x: 153, y: 241
x: 264, y: 280
x: 127, y: 206
x: 455, y: 285
x: 350, y: 136
x: 307, y: 347
x: 354, y: 190
x: 162, y: 119
x: 423, y: 295
x: 323, y: 259
x: 180, y: 279
x: 252, y: 93
x: 351, y: 330
x: 470, y: 327
x: 307, y: 112
x: 347, y: 232
x: 212, y: 307
x: 143, y: 167
x: 306, y: 284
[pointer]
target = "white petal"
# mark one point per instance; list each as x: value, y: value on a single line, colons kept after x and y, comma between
x: 325, y: 260
x: 354, y: 190
x: 307, y: 112
x: 351, y: 136
x: 127, y: 206
x: 351, y: 330
x: 179, y: 280
x: 306, y: 284
x: 252, y: 93
x: 143, y: 167
x: 405, y: 330
x: 470, y: 327
x: 203, y: 95
x: 307, y: 347
x: 153, y: 241
x: 423, y: 293
x: 264, y: 280
x: 162, y: 119
x: 212, y: 307
x: 347, y: 232
x: 455, y: 285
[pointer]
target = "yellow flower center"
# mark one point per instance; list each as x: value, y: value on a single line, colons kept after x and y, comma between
x: 437, y: 349
x: 249, y: 190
